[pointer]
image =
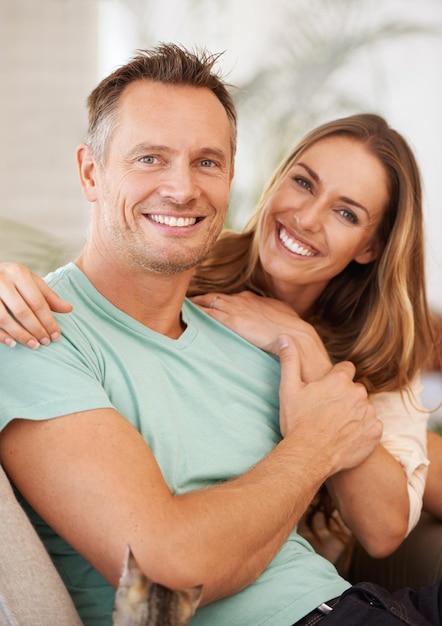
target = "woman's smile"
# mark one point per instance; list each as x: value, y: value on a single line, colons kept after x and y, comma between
x: 293, y: 244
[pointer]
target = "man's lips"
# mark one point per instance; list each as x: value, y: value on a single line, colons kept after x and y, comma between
x: 294, y: 246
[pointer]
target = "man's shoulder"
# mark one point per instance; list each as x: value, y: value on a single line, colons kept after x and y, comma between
x: 71, y: 284
x: 62, y: 278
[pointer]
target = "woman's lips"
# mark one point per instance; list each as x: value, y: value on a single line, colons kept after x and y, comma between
x: 294, y: 246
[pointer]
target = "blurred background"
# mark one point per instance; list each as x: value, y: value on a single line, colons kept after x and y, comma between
x: 294, y: 64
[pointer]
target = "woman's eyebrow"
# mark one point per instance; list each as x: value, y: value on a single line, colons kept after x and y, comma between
x: 311, y: 172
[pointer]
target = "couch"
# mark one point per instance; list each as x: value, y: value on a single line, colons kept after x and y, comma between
x: 31, y: 591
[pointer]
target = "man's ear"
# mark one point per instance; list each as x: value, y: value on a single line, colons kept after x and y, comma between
x: 369, y: 253
x: 87, y: 170
x: 232, y: 172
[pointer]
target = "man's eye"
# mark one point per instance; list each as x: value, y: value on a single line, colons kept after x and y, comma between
x: 208, y: 163
x: 149, y: 160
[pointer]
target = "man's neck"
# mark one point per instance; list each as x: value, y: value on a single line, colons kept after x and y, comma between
x: 152, y: 299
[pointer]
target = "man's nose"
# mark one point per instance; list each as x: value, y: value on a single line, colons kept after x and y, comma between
x: 180, y: 184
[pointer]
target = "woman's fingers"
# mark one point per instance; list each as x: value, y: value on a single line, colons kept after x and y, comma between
x: 25, y: 308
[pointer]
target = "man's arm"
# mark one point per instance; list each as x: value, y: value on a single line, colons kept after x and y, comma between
x: 92, y: 477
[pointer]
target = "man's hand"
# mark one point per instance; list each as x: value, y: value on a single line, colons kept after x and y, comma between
x: 332, y: 415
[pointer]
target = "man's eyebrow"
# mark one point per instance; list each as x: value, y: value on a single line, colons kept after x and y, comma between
x: 148, y: 148
x: 316, y: 178
x: 220, y: 155
x: 144, y: 148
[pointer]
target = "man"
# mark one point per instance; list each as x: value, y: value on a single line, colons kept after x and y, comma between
x: 150, y: 425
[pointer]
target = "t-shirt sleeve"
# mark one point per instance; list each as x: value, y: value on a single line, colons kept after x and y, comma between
x: 405, y: 437
x: 62, y: 378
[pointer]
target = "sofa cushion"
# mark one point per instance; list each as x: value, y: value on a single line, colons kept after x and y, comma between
x: 31, y: 591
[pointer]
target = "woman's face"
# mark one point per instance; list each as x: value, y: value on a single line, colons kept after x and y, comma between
x: 322, y: 215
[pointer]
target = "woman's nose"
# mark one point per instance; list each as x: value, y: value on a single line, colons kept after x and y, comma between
x: 309, y: 216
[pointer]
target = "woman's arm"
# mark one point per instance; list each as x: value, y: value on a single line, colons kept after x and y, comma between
x: 405, y: 465
x: 26, y: 305
x: 381, y: 499
x: 261, y: 320
x: 433, y: 489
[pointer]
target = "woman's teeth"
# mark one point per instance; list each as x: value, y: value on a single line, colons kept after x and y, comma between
x: 291, y: 244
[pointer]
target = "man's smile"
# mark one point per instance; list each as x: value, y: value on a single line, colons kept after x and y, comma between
x: 172, y: 220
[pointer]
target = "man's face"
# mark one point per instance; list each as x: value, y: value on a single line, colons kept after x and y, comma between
x: 162, y: 195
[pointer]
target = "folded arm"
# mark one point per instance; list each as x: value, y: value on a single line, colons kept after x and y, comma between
x: 261, y: 321
x: 101, y: 498
x: 377, y: 499
x: 92, y: 477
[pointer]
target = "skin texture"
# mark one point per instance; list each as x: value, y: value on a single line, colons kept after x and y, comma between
x: 172, y: 159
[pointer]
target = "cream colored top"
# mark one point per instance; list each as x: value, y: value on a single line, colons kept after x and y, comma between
x: 405, y: 437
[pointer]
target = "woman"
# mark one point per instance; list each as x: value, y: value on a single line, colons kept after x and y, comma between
x: 337, y: 239
x: 373, y: 310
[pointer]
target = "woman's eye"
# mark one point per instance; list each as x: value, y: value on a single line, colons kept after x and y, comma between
x: 302, y: 182
x: 349, y: 215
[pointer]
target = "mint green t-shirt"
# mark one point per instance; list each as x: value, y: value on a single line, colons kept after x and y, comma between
x: 206, y: 404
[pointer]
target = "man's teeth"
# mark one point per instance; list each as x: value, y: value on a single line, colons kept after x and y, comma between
x: 173, y: 221
x: 291, y: 244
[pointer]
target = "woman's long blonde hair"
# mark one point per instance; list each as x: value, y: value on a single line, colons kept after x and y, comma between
x: 375, y: 315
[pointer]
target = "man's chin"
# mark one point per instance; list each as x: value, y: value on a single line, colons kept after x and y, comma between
x: 169, y: 268
x: 173, y: 262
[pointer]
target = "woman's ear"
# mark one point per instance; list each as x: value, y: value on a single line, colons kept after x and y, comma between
x: 87, y: 170
x: 369, y: 253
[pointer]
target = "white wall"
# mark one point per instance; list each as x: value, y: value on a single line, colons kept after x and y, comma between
x: 48, y: 65
x: 52, y: 52
x: 399, y: 78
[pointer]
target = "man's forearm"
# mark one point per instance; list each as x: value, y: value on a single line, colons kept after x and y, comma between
x: 222, y: 537
x: 239, y: 525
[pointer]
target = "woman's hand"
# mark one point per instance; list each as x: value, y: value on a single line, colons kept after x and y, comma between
x: 26, y: 305
x: 262, y: 320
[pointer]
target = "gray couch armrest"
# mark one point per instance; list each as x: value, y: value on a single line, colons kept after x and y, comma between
x: 31, y: 590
